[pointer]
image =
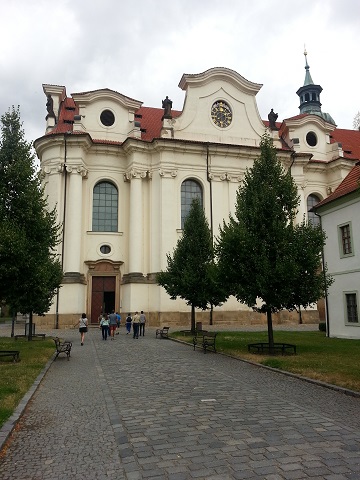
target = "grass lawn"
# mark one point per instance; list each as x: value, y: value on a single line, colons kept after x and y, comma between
x: 330, y: 360
x: 17, y: 378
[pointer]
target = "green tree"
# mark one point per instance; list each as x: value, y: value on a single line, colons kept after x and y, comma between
x: 30, y: 271
x: 310, y: 277
x: 259, y: 251
x: 191, y: 273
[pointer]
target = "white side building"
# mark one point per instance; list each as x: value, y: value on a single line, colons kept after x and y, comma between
x: 340, y: 219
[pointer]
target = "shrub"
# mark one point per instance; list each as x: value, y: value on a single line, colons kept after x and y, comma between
x: 322, y: 327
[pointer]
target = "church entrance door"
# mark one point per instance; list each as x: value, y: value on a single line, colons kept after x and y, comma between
x: 102, y: 296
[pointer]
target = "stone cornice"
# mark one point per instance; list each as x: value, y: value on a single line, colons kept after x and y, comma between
x: 168, y: 173
x: 231, y: 177
x: 219, y: 73
x: 58, y: 168
x: 135, y: 173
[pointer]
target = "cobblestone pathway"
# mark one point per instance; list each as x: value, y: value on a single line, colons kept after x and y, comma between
x: 154, y: 409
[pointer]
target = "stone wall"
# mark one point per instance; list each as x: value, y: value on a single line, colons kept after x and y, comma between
x: 183, y: 319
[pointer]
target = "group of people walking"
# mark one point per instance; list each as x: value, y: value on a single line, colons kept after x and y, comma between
x: 138, y: 324
x: 108, y: 324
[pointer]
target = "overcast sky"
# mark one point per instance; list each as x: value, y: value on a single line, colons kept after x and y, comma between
x: 141, y: 49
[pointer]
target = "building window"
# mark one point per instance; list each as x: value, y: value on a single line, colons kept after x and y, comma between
x: 105, y: 208
x: 105, y: 249
x: 311, y: 139
x: 352, y: 315
x: 190, y: 189
x: 107, y: 118
x: 345, y: 240
x: 312, y: 200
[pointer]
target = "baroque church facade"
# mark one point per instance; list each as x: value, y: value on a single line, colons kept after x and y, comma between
x: 122, y: 177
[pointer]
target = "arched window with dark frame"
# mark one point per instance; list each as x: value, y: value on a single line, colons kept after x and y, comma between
x: 105, y: 208
x: 190, y: 189
x: 312, y: 200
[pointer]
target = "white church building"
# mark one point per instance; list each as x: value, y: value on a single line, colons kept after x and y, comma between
x: 122, y: 177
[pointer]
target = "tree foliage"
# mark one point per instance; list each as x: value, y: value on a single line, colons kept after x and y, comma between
x: 259, y: 250
x: 191, y: 273
x: 356, y: 121
x: 30, y: 271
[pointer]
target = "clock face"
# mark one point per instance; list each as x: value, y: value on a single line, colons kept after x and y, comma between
x: 221, y: 114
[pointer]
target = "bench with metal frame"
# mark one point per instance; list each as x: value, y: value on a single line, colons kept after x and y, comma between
x: 11, y: 353
x: 206, y: 339
x: 27, y: 332
x: 162, y: 332
x: 62, y: 346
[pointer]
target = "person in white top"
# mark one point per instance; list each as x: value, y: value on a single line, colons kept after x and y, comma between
x: 83, y: 324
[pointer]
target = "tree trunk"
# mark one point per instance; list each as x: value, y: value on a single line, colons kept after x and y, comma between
x: 30, y: 325
x: 192, y: 319
x: 270, y: 331
x: 13, y: 324
x: 300, y: 317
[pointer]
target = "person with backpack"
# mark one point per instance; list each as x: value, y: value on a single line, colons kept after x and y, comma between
x: 128, y: 321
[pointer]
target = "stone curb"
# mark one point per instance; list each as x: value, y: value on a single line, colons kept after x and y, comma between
x: 11, y: 423
x: 343, y: 390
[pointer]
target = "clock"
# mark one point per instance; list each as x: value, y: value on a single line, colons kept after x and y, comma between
x: 221, y: 114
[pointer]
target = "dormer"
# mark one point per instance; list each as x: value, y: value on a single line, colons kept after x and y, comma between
x: 106, y: 115
x: 310, y: 134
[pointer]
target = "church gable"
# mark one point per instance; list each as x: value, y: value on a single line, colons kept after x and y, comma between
x: 220, y: 106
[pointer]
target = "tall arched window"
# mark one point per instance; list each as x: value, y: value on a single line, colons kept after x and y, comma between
x: 190, y: 189
x: 312, y: 200
x: 105, y: 208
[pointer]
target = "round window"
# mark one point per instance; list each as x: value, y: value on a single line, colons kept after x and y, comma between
x: 107, y: 118
x: 105, y: 249
x: 311, y: 139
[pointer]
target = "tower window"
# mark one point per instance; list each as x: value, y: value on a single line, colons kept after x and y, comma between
x: 311, y: 139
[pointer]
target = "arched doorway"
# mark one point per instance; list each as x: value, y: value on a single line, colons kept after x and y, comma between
x: 103, y: 293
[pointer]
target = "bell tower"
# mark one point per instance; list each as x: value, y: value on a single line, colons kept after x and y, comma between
x: 309, y: 93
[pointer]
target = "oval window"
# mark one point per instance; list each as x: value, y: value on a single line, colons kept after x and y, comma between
x: 311, y: 139
x: 105, y: 249
x: 107, y: 118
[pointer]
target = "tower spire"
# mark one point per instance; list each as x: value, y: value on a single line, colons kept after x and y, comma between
x: 309, y: 95
x: 308, y: 79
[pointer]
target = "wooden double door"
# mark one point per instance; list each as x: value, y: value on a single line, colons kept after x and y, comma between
x: 102, y: 296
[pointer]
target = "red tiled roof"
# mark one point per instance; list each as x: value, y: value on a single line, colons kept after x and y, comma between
x: 150, y: 124
x: 67, y: 110
x: 150, y: 121
x: 350, y: 184
x: 350, y: 141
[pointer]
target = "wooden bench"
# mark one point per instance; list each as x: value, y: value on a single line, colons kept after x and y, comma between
x: 62, y: 347
x: 206, y: 339
x: 162, y: 332
x: 11, y: 353
x: 263, y: 347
